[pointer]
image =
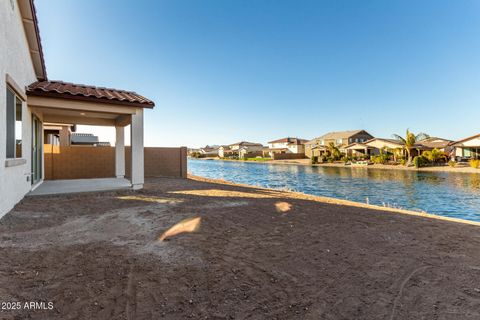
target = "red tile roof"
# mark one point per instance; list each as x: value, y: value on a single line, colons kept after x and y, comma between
x: 59, y: 89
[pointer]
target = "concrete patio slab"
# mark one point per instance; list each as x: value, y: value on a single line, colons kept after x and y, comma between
x: 80, y: 185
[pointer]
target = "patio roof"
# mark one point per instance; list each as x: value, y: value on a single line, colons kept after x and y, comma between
x: 66, y: 90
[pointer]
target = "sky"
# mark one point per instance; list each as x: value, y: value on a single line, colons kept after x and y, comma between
x: 222, y: 71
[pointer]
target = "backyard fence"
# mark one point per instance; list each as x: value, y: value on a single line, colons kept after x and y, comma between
x: 285, y: 156
x: 86, y: 162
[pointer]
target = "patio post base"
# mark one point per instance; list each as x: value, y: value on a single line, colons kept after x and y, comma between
x: 137, y: 186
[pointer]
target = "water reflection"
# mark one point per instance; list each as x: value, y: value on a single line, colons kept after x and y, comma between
x: 449, y: 194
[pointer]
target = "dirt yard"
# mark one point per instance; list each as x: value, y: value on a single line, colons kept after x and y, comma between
x: 257, y: 254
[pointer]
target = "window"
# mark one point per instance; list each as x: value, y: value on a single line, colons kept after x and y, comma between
x: 339, y: 141
x: 14, y: 125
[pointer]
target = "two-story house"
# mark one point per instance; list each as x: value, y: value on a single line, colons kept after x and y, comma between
x: 287, y: 145
x: 340, y: 139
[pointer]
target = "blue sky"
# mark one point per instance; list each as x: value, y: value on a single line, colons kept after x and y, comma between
x: 221, y: 71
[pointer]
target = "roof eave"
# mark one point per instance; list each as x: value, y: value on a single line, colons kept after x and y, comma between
x: 91, y: 99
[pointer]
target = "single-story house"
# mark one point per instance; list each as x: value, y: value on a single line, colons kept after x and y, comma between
x: 340, y: 139
x: 253, y: 146
x: 86, y: 139
x: 431, y: 143
x: 287, y: 145
x: 248, y: 152
x: 28, y: 99
x: 209, y: 151
x: 379, y: 145
x: 468, y: 148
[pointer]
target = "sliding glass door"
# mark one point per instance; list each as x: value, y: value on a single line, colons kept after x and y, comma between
x: 36, y: 149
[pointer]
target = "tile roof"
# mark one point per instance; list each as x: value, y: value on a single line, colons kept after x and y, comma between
x: 336, y: 135
x: 60, y: 89
x: 460, y: 142
x: 340, y: 134
x: 290, y: 140
x: 245, y: 143
x: 434, y: 142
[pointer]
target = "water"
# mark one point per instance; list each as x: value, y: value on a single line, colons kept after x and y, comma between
x: 447, y: 194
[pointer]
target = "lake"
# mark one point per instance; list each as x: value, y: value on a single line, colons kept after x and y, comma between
x: 442, y: 193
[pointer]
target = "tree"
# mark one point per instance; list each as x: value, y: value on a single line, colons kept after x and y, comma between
x: 435, y: 155
x: 409, y: 142
x: 334, y: 151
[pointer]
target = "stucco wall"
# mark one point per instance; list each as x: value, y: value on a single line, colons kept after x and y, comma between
x: 14, y: 61
x: 82, y: 162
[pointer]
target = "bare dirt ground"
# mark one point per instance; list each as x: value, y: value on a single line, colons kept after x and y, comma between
x: 257, y: 254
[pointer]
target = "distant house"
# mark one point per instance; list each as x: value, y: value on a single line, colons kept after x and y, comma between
x: 240, y: 150
x: 86, y: 139
x: 209, y: 151
x: 287, y: 145
x: 57, y: 134
x: 468, y: 148
x: 431, y: 143
x: 375, y: 146
x: 226, y: 152
x: 340, y: 139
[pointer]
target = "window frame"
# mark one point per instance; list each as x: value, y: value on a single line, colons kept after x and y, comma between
x: 16, y: 98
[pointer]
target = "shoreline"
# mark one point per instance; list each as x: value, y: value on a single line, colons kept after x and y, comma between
x: 335, y: 201
x: 305, y: 162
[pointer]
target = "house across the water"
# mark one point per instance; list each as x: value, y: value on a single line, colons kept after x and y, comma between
x: 287, y: 148
x: 468, y: 148
x: 340, y: 139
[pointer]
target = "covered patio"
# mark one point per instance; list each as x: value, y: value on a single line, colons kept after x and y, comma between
x: 60, y: 102
x: 358, y: 149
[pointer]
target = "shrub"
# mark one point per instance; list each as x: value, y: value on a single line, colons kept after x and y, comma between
x: 380, y: 159
x: 330, y: 159
x: 314, y: 159
x: 452, y: 163
x: 403, y: 162
x: 323, y: 158
x: 435, y: 155
x: 474, y: 163
x: 420, y: 161
x: 346, y: 159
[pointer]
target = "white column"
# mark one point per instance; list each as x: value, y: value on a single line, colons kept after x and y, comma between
x: 136, y: 138
x: 120, y: 152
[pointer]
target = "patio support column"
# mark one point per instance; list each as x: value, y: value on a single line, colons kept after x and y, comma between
x: 136, y: 132
x: 119, y: 152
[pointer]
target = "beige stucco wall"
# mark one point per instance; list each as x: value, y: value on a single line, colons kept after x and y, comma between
x: 14, y: 61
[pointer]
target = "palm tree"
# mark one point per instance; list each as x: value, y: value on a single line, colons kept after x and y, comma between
x: 333, y: 151
x: 409, y: 142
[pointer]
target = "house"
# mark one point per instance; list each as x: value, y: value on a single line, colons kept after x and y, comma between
x: 241, y: 149
x: 209, y: 151
x: 468, y: 148
x: 253, y: 146
x: 28, y: 99
x: 431, y: 143
x: 226, y: 152
x: 247, y: 152
x: 384, y: 145
x: 287, y: 146
x: 58, y: 134
x: 340, y: 139
x: 86, y: 139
